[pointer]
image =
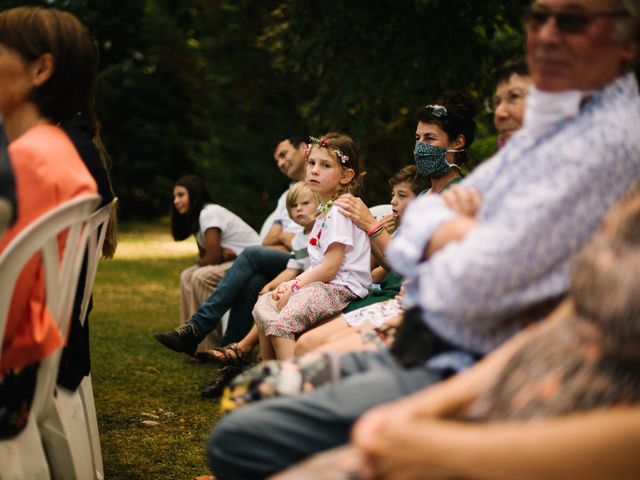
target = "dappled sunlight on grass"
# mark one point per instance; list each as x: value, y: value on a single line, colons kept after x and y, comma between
x: 135, y: 378
x: 153, y: 244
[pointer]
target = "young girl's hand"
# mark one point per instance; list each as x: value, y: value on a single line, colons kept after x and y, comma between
x: 266, y: 289
x: 280, y: 290
x: 282, y: 301
x: 283, y: 293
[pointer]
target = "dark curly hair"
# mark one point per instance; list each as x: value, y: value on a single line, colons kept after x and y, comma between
x: 458, y: 119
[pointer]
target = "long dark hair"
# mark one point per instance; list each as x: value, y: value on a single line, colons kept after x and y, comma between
x: 183, y: 225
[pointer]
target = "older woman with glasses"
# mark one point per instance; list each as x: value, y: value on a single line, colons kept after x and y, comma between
x: 479, y: 272
x: 512, y: 82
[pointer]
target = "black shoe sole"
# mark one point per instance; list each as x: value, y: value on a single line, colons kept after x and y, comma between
x: 216, y: 388
x: 171, y: 345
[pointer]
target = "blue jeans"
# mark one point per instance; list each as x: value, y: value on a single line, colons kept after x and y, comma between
x: 265, y: 437
x: 238, y: 291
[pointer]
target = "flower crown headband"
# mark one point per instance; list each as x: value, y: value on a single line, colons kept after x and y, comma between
x: 322, y: 142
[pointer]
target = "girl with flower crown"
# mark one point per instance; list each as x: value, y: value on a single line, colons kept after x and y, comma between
x: 338, y: 249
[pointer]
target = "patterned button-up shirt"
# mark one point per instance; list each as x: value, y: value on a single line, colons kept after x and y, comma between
x: 544, y: 195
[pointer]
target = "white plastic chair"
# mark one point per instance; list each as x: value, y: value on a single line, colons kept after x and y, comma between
x: 5, y: 215
x: 23, y: 456
x: 380, y: 211
x: 69, y: 427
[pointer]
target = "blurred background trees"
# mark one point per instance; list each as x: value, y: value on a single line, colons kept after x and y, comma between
x: 210, y: 86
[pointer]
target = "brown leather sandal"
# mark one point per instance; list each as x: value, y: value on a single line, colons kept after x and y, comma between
x: 232, y: 356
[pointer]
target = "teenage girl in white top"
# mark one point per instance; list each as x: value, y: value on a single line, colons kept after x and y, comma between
x: 221, y: 235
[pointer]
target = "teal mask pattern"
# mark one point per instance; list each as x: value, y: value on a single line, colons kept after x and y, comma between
x: 430, y: 160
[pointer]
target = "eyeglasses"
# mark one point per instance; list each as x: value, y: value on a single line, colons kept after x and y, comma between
x: 567, y: 21
x: 513, y: 97
x: 437, y: 110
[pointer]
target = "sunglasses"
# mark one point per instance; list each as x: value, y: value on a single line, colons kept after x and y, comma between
x: 567, y: 21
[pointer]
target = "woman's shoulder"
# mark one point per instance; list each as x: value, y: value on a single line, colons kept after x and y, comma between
x: 45, y: 147
x: 41, y: 139
x: 340, y: 222
x: 216, y: 215
x: 215, y: 210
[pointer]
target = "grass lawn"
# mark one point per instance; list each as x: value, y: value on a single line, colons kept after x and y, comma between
x: 135, y: 379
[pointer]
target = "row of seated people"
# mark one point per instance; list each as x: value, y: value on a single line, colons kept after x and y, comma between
x: 443, y: 133
x: 481, y: 262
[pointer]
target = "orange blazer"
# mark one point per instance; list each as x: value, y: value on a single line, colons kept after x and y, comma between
x: 48, y: 171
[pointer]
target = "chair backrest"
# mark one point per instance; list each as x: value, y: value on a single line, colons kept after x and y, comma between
x: 96, y: 229
x: 60, y: 271
x: 5, y: 215
x: 380, y: 211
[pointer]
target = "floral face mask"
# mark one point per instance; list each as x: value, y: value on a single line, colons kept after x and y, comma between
x: 431, y: 160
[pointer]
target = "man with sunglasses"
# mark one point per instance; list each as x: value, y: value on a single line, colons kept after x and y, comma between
x: 486, y: 258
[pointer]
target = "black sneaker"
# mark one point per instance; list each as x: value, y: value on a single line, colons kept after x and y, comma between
x: 223, y: 378
x: 183, y: 339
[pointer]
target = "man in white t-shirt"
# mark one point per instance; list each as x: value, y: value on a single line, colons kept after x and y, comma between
x: 254, y: 267
x: 290, y: 158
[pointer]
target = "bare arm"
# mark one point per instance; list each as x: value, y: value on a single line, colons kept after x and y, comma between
x: 284, y: 276
x: 355, y: 209
x: 378, y: 274
x: 271, y: 239
x: 328, y: 269
x: 212, y: 254
x: 588, y: 446
x: 285, y: 238
x: 325, y: 272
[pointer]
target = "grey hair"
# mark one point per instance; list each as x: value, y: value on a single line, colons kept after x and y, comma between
x: 628, y: 28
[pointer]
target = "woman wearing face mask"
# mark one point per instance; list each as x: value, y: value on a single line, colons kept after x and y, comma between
x: 445, y: 130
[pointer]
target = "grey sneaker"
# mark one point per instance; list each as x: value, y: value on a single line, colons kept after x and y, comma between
x: 183, y: 339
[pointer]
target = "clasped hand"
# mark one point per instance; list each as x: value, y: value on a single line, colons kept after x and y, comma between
x: 464, y: 201
x: 282, y: 293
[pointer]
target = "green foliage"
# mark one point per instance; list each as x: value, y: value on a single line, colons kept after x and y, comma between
x: 209, y: 87
x: 365, y: 67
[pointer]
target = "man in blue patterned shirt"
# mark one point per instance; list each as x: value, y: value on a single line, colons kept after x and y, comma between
x: 491, y: 249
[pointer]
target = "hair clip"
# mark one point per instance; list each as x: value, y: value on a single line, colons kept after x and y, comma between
x: 437, y: 110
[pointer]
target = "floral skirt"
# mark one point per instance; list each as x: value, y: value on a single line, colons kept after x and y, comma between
x: 306, y: 307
